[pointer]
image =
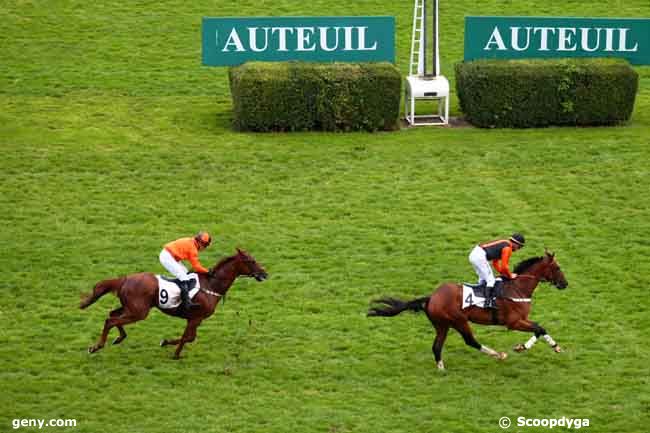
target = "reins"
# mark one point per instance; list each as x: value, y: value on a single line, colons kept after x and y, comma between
x: 212, y: 273
x: 210, y: 292
x: 522, y: 300
x: 526, y: 276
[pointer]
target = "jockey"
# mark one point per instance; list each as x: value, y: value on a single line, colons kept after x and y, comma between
x: 185, y: 249
x: 499, y: 253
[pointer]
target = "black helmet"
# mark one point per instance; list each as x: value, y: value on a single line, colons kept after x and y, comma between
x: 518, y: 238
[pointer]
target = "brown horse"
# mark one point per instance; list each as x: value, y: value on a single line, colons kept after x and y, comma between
x: 138, y: 293
x: 444, y: 307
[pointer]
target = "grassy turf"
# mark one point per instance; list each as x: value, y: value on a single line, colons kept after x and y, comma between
x: 115, y: 140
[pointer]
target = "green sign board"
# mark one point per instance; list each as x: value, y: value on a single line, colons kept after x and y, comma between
x: 527, y: 37
x: 233, y: 41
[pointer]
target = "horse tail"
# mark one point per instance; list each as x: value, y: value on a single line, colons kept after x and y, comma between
x: 393, y: 307
x: 100, y: 289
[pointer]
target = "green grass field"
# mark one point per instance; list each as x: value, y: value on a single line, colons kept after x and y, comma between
x: 116, y: 140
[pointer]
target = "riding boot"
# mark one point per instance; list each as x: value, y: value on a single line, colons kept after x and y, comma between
x: 490, y: 299
x: 186, y: 302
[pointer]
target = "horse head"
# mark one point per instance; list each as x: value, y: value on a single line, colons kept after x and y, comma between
x: 248, y: 266
x: 552, y: 272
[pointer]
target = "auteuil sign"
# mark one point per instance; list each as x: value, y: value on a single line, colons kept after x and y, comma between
x: 527, y: 37
x: 233, y: 41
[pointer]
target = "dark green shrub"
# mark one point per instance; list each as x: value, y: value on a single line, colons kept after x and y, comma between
x: 295, y: 96
x: 536, y: 93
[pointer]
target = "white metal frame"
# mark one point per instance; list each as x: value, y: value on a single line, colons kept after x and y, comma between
x: 434, y: 89
x: 421, y: 87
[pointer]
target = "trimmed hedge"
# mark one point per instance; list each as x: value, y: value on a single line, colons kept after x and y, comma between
x: 537, y: 93
x: 296, y: 96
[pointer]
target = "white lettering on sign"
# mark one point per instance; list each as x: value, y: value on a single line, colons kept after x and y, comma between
x: 566, y: 39
x: 300, y: 39
x: 233, y: 39
x: 562, y: 39
x: 304, y: 37
x: 496, y: 39
x: 323, y: 38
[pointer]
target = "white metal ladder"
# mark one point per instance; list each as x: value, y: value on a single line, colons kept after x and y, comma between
x: 417, y: 39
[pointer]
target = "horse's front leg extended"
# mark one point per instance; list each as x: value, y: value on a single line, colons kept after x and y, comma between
x: 165, y: 342
x: 540, y: 332
x: 188, y: 336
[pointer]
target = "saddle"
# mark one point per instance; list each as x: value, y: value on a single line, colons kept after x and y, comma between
x: 169, y: 290
x: 480, y: 290
x: 190, y: 283
x: 477, y: 295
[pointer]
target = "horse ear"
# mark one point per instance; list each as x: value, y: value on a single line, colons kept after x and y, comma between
x: 240, y: 252
x: 549, y: 253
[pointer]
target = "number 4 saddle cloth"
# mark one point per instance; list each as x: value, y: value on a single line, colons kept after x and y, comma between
x: 474, y: 294
x: 169, y: 294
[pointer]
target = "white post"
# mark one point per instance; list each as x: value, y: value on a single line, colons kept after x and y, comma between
x: 436, y: 60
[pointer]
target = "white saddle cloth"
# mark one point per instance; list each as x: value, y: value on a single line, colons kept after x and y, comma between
x: 169, y: 294
x: 470, y: 299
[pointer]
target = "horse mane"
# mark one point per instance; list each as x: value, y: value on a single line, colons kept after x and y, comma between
x: 224, y: 261
x: 525, y: 264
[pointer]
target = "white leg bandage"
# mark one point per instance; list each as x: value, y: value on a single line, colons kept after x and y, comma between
x: 550, y: 340
x: 530, y: 342
x: 489, y: 351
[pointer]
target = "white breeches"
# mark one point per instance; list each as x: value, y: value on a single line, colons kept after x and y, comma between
x: 175, y: 268
x: 481, y: 266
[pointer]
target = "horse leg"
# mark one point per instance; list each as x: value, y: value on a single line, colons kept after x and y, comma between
x: 436, y: 348
x: 466, y: 331
x: 188, y: 336
x: 119, y: 321
x: 115, y: 313
x: 164, y: 342
x: 526, y: 325
x: 173, y: 342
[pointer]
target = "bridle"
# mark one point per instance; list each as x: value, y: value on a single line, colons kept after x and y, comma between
x: 533, y: 277
x: 212, y: 273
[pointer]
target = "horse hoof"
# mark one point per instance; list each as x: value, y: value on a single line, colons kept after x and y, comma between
x: 163, y: 343
x: 176, y: 357
x: 92, y: 349
x: 441, y: 365
x: 502, y: 356
x: 519, y: 348
x: 557, y: 349
x: 118, y: 340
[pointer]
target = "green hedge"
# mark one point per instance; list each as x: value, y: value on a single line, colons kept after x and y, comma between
x: 295, y: 96
x: 536, y: 93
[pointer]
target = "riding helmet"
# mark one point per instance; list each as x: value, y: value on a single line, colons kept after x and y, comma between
x: 204, y: 238
x: 518, y: 238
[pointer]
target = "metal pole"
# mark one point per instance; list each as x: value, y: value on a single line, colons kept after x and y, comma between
x: 436, y: 48
x: 433, y: 69
x: 424, y: 36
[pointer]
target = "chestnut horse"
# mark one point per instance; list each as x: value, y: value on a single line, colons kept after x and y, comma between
x: 443, y: 307
x: 138, y: 293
